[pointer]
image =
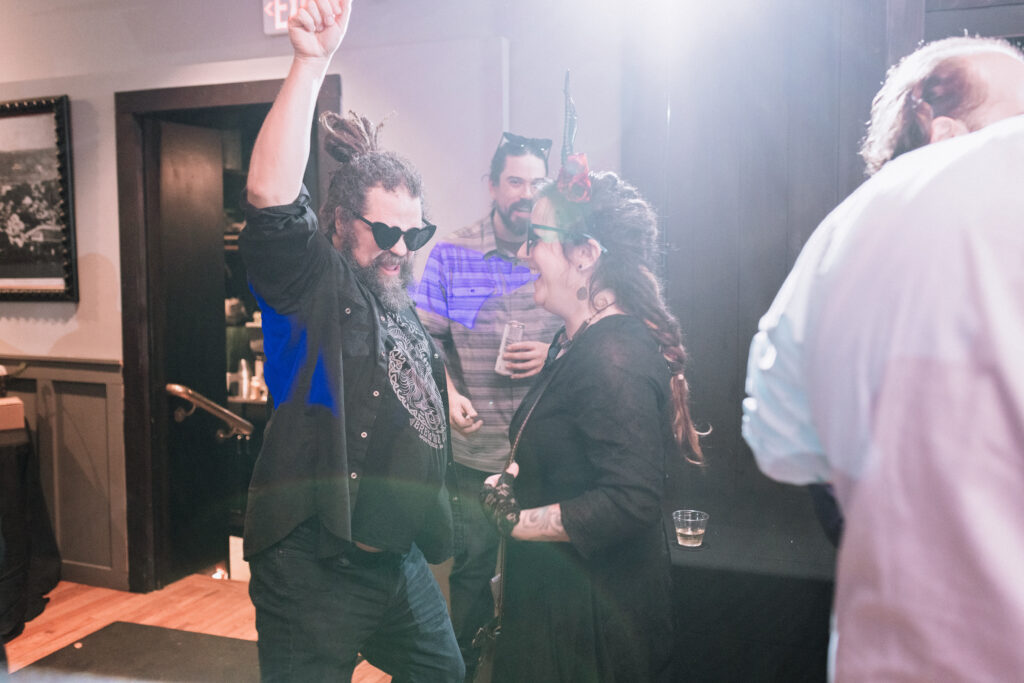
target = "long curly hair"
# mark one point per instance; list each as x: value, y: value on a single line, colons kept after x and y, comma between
x: 353, y: 142
x: 933, y: 81
x: 620, y: 219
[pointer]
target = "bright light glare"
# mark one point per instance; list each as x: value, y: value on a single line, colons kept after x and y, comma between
x: 662, y: 25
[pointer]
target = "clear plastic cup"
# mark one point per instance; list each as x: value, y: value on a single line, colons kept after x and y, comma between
x: 690, y: 527
x: 513, y: 333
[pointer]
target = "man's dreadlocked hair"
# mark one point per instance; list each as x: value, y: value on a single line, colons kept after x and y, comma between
x: 620, y: 219
x: 352, y: 141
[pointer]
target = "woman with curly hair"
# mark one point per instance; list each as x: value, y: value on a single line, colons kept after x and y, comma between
x: 587, y: 592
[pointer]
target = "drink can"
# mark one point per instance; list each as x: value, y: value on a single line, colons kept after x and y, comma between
x: 513, y: 333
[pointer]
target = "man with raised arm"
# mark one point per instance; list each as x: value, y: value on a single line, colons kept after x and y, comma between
x: 347, y: 502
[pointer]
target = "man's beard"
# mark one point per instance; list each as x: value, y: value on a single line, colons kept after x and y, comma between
x: 516, y: 227
x: 391, y: 292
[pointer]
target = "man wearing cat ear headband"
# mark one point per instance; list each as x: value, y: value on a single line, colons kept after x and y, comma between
x: 471, y: 287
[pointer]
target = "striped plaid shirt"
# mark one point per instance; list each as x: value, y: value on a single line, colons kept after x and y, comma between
x: 464, y: 301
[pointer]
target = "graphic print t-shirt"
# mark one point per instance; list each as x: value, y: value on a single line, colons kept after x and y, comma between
x: 402, y: 475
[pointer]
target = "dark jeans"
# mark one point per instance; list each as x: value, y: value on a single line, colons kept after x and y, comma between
x: 476, y: 553
x: 314, y: 616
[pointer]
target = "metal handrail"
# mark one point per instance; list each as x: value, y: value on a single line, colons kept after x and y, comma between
x: 238, y: 426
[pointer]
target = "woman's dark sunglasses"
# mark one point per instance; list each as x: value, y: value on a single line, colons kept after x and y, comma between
x: 387, y: 236
x: 532, y: 237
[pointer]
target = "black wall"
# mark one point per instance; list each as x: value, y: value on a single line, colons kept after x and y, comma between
x: 743, y: 131
x: 741, y: 124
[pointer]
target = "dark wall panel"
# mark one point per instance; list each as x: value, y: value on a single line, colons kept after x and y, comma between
x: 73, y: 410
x: 751, y: 165
x: 1003, y: 19
x: 743, y: 131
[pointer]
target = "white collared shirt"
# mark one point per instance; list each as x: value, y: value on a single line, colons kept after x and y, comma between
x: 891, y: 364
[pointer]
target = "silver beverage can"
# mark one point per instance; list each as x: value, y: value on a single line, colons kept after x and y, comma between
x: 513, y: 333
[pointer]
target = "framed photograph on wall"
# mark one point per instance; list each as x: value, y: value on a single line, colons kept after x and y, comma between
x: 37, y: 218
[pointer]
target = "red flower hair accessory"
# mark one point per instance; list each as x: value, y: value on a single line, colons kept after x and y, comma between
x: 574, y: 179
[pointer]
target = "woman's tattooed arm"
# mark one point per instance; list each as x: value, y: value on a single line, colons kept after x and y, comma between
x: 540, y: 524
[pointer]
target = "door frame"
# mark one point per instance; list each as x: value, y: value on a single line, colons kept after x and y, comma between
x: 144, y: 403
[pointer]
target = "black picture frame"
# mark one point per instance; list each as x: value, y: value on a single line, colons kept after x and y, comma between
x: 37, y: 216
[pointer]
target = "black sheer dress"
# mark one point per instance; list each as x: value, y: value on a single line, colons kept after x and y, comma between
x: 597, y: 608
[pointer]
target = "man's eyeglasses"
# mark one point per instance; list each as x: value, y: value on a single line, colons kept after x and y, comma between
x: 548, y: 233
x: 540, y: 146
x: 387, y: 236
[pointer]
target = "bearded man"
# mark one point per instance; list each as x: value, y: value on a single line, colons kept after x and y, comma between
x: 471, y: 288
x: 347, y: 502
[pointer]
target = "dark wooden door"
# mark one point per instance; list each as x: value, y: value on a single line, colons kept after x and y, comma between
x: 167, y: 255
x: 185, y: 181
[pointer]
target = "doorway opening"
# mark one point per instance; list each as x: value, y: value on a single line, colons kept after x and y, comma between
x: 182, y: 160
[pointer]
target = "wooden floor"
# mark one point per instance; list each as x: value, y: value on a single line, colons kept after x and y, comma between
x: 196, y: 603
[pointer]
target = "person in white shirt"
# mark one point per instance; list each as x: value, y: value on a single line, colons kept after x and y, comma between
x: 890, y: 366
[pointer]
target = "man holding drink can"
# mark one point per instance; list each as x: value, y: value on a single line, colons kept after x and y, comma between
x: 477, y: 302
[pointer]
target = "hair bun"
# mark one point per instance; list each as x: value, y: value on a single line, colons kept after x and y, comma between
x: 350, y: 136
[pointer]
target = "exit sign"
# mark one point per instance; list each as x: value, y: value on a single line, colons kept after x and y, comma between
x: 276, y: 13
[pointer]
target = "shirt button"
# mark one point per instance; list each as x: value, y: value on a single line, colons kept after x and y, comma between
x: 363, y: 435
x: 376, y: 393
x: 354, y: 475
x: 455, y: 499
x: 348, y: 311
x: 436, y: 356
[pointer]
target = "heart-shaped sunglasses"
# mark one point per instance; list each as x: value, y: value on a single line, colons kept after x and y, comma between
x: 387, y: 236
